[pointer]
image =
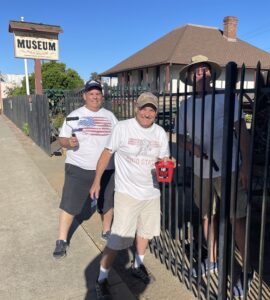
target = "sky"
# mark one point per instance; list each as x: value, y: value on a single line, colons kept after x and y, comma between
x: 99, y: 34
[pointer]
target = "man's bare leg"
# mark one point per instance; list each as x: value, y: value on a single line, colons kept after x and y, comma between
x: 107, y: 220
x: 65, y: 221
x: 213, y: 237
x: 108, y: 257
x: 240, y: 231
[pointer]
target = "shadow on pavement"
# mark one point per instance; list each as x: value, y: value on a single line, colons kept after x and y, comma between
x: 85, y: 215
x: 120, y: 273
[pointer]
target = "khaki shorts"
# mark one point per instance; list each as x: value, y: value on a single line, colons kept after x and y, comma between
x: 216, y: 184
x: 131, y: 217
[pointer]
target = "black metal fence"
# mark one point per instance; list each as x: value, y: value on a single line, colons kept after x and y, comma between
x: 181, y: 245
x: 36, y: 116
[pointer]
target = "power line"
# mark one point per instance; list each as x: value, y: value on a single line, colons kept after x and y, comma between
x: 257, y: 31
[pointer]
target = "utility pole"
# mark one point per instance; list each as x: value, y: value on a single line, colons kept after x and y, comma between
x: 1, y: 100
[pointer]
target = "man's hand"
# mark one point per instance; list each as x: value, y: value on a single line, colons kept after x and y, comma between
x: 197, y: 151
x: 166, y: 159
x: 94, y: 190
x: 73, y: 142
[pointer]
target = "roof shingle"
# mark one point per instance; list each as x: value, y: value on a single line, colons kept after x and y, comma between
x: 179, y: 45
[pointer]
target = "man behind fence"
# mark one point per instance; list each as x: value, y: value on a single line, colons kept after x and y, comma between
x: 200, y: 71
x: 84, y: 134
x: 137, y: 143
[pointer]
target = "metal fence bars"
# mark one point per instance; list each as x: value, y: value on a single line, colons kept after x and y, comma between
x: 185, y: 242
x: 184, y: 245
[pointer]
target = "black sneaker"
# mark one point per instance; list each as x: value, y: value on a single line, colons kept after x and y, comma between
x: 102, y: 290
x: 142, y: 274
x: 60, y: 249
x: 238, y: 289
x: 105, y: 236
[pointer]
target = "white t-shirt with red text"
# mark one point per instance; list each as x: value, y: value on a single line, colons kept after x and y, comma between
x: 136, y: 150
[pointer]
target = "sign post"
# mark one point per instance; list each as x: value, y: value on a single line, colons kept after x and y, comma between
x: 26, y: 72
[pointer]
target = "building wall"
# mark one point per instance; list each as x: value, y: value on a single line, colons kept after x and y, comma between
x: 10, y: 81
x: 148, y: 79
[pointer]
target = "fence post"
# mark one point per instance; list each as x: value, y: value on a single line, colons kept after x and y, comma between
x: 223, y: 261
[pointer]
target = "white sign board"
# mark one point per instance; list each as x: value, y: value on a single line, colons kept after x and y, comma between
x: 41, y: 46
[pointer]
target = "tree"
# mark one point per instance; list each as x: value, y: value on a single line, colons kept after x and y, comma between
x: 54, y: 76
x: 94, y: 76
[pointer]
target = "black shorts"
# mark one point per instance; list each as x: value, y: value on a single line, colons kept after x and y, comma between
x: 76, y: 190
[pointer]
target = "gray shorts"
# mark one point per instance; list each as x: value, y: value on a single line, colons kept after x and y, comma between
x: 76, y: 188
x: 216, y: 184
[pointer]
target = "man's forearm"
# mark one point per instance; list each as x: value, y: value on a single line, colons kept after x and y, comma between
x: 68, y: 143
x: 181, y: 142
x: 244, y: 143
x: 64, y: 142
x: 102, y: 163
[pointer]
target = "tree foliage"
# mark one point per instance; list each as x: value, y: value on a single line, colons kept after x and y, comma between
x: 94, y: 76
x: 55, y: 76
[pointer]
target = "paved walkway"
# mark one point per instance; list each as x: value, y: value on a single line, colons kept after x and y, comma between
x: 30, y: 187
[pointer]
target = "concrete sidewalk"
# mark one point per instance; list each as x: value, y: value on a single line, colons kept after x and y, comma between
x: 29, y: 225
x: 30, y: 188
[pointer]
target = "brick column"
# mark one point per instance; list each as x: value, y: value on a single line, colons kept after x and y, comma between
x: 230, y: 28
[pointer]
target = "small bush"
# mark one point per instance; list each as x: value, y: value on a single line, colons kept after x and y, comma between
x: 58, y: 120
x: 25, y: 128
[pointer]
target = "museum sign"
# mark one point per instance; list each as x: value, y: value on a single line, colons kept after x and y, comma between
x: 36, y: 46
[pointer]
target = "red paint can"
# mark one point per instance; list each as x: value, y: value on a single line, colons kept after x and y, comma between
x: 164, y: 171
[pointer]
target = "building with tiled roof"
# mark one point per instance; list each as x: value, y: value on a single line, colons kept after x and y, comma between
x: 155, y: 64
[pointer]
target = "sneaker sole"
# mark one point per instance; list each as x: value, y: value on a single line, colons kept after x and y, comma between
x: 107, y: 297
x: 58, y: 257
x: 151, y: 278
x: 103, y: 239
x: 211, y: 272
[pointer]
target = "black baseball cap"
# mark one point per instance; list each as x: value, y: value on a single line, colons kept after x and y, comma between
x: 92, y: 85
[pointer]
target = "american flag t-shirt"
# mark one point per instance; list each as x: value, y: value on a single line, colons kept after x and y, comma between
x: 95, y: 126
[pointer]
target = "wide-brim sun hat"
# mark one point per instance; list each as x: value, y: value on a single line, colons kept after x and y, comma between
x: 196, y: 60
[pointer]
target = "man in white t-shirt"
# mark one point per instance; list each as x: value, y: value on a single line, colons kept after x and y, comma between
x: 85, y: 133
x: 137, y: 144
x: 200, y: 70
